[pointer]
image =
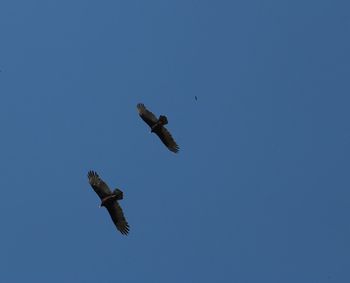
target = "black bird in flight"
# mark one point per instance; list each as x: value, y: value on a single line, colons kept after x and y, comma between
x: 157, y: 127
x: 109, y: 200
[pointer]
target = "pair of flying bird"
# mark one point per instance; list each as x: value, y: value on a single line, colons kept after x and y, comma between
x: 110, y: 199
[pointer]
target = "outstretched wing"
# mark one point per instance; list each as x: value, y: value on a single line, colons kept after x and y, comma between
x: 146, y: 115
x: 99, y: 186
x: 167, y: 139
x: 117, y: 215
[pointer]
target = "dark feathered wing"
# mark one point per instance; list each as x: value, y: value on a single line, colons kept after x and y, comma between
x: 117, y: 215
x: 99, y: 186
x: 167, y: 139
x: 146, y: 115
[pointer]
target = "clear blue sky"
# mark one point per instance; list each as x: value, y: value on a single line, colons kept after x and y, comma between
x: 260, y: 191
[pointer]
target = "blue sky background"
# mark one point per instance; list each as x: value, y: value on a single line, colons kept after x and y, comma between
x: 260, y: 189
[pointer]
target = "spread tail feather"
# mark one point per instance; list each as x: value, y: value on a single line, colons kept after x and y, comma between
x: 118, y: 193
x: 163, y: 120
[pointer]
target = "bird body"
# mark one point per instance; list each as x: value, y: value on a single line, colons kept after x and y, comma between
x: 109, y: 200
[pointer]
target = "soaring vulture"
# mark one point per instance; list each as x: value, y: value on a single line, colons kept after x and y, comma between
x: 157, y: 127
x: 109, y: 200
